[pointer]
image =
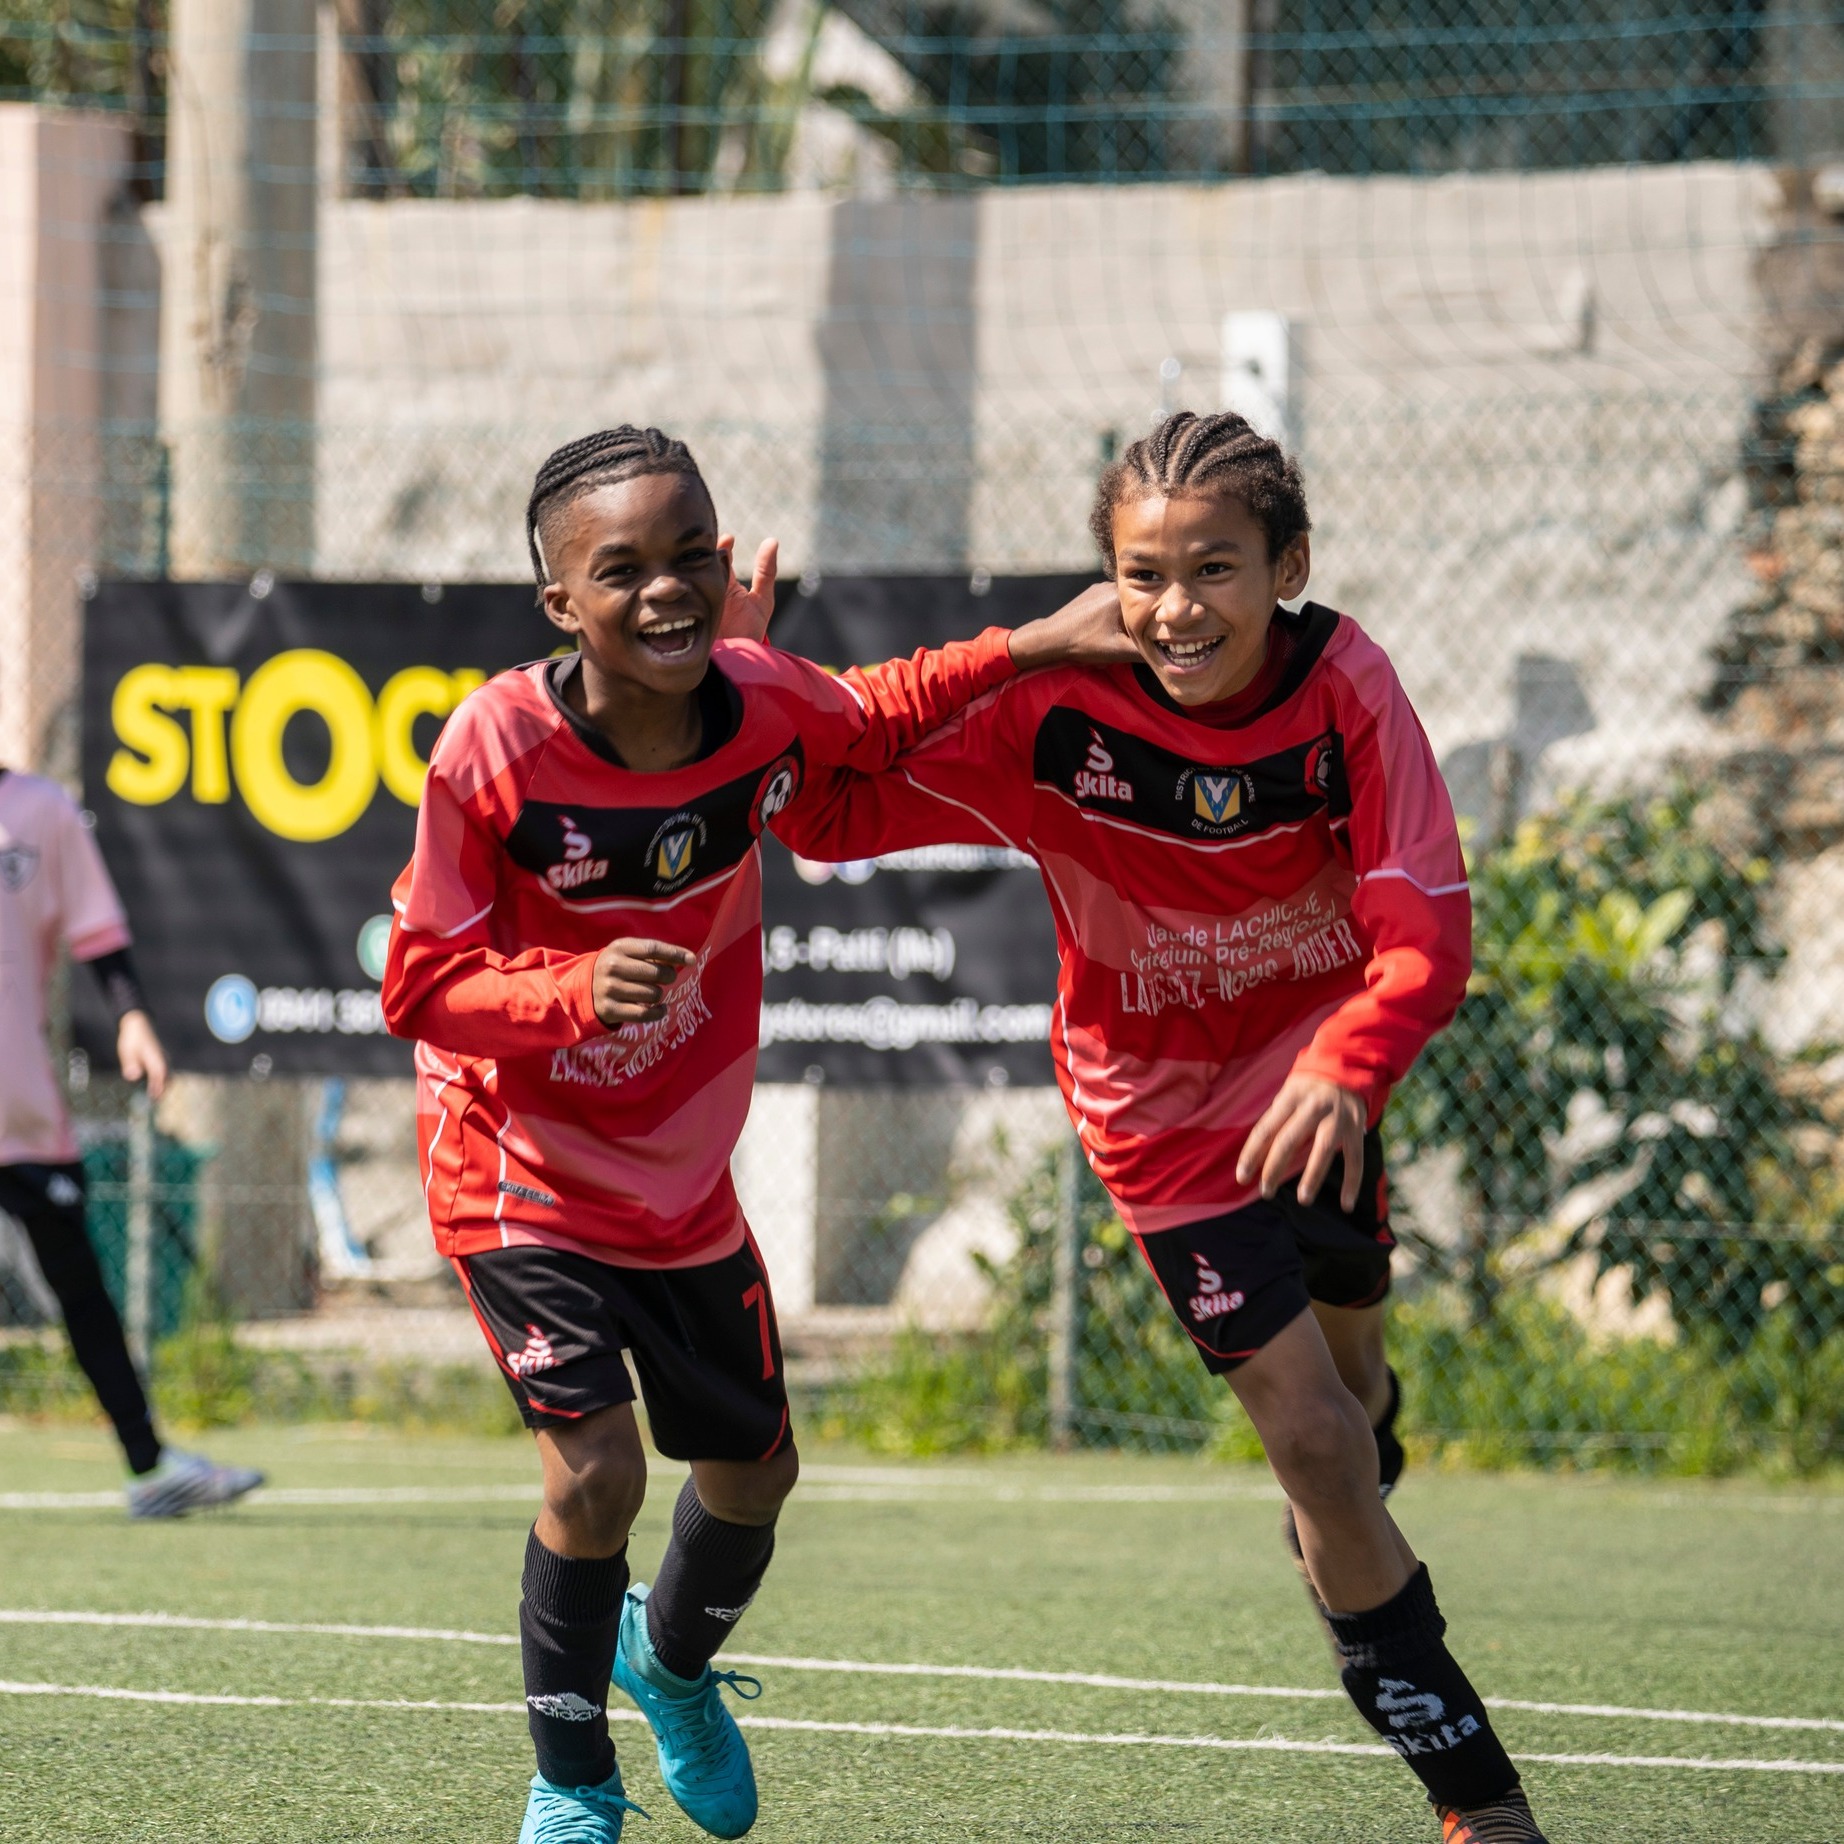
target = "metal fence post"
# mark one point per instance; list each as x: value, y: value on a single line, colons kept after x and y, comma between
x: 1063, y: 1270
x: 138, y: 1277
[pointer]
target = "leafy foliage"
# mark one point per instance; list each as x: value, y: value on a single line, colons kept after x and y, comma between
x: 1602, y: 1074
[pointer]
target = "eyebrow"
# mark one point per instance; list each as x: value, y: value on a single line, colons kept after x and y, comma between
x: 616, y: 546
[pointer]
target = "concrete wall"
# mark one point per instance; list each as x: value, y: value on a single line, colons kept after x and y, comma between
x: 61, y: 181
x: 1519, y: 398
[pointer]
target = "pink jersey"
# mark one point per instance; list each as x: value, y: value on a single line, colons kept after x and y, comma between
x: 53, y: 889
x: 534, y: 850
x: 1233, y: 901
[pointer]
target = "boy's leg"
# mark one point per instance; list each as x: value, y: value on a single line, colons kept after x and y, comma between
x: 1354, y: 1336
x: 723, y: 1536
x: 48, y: 1202
x: 1384, y: 1620
x: 552, y: 1321
x: 708, y: 1354
x: 575, y: 1582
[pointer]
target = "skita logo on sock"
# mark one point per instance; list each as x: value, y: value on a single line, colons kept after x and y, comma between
x: 1421, y: 1716
x: 537, y: 1355
x: 566, y: 1706
x: 730, y: 1614
x: 1211, y: 1301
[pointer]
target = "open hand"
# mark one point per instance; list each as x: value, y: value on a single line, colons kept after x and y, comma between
x: 139, y: 1052
x: 747, y: 611
x: 1314, y: 1120
x: 632, y: 979
x: 1084, y: 632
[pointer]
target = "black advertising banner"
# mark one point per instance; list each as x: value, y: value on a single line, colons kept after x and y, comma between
x: 254, y: 763
x: 253, y: 755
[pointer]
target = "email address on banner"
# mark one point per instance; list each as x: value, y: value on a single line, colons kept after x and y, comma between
x: 889, y: 1024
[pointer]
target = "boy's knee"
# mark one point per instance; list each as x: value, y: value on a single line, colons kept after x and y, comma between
x: 602, y: 1492
x: 1324, y: 1450
x: 749, y: 1492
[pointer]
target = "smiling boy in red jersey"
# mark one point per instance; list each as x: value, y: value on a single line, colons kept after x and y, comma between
x: 1262, y: 917
x: 582, y: 1083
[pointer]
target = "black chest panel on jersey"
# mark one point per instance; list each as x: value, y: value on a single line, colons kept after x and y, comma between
x: 589, y: 854
x: 1109, y: 771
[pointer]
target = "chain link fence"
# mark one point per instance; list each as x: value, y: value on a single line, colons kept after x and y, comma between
x: 1545, y: 296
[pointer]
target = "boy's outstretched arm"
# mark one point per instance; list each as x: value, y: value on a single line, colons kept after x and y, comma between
x: 866, y: 717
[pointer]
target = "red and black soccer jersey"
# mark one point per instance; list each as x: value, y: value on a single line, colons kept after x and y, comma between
x: 534, y: 849
x: 1240, y: 892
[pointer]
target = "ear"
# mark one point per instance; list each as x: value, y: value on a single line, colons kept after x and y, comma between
x: 1296, y: 566
x: 558, y: 611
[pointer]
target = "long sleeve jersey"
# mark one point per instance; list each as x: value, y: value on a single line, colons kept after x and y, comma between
x: 1233, y: 901
x: 535, y: 848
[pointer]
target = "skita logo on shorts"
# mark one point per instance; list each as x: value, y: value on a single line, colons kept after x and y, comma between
x: 1096, y: 779
x: 1211, y: 1300
x: 537, y: 1355
x: 566, y: 1706
x: 63, y: 1190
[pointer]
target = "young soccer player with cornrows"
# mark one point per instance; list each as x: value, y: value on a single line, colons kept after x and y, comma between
x: 577, y: 951
x: 1262, y: 917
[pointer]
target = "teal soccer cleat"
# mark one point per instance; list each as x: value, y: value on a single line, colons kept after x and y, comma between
x: 702, y: 1755
x: 576, y: 1815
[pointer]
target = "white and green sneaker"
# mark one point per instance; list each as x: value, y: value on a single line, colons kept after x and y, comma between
x: 703, y: 1758
x: 185, y: 1482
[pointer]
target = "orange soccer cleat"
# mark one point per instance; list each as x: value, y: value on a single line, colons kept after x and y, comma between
x: 1504, y: 1821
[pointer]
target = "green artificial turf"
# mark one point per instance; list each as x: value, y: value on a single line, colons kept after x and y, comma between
x: 1714, y: 1597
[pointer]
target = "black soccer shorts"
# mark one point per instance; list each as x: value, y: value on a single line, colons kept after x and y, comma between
x: 1238, y: 1279
x: 704, y: 1342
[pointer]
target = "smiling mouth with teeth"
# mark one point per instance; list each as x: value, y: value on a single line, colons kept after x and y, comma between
x: 671, y: 637
x: 1188, y: 652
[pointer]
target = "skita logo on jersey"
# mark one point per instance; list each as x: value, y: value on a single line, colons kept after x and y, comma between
x: 672, y: 852
x: 1212, y: 1300
x: 1096, y: 779
x: 779, y: 786
x: 578, y: 866
x: 17, y: 863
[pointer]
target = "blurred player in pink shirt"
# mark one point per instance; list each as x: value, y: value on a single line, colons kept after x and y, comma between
x: 54, y: 889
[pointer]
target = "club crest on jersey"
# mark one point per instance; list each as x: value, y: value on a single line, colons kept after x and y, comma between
x: 1096, y: 779
x: 1220, y: 801
x: 17, y: 863
x: 1212, y: 1299
x: 579, y: 865
x: 779, y: 786
x: 672, y: 852
x: 1321, y: 763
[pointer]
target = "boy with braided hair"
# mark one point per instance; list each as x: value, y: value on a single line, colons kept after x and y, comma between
x: 577, y: 951
x: 1262, y: 917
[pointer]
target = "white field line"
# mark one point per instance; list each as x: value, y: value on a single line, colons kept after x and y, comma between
x: 1265, y: 1744
x: 1000, y: 1674
x: 823, y: 1485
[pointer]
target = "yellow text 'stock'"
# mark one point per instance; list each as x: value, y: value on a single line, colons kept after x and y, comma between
x: 235, y: 736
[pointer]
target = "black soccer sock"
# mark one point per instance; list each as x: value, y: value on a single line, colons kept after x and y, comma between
x: 568, y: 1622
x: 1411, y: 1690
x: 93, y: 1326
x: 708, y: 1577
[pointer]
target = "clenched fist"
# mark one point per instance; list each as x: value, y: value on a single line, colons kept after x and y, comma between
x: 633, y: 978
